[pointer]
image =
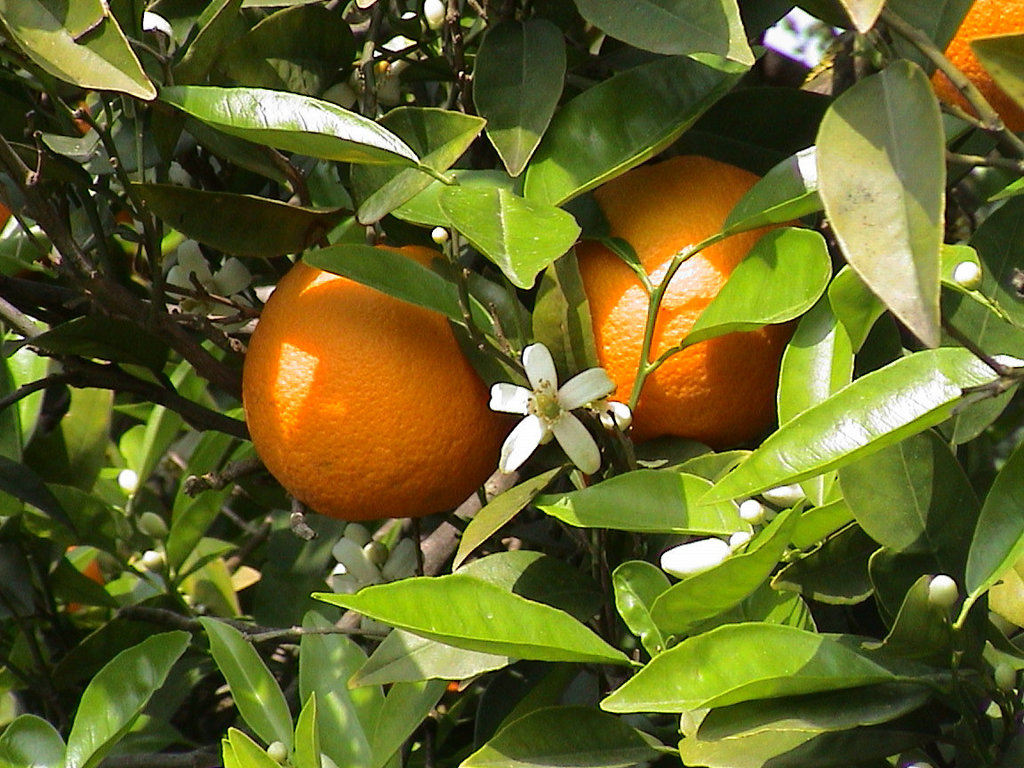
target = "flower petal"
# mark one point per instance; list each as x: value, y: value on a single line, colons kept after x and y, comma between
x: 232, y: 278
x: 577, y: 443
x: 540, y: 368
x: 509, y: 398
x: 585, y: 387
x: 521, y: 442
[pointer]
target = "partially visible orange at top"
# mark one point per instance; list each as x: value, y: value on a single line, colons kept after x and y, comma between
x: 985, y: 18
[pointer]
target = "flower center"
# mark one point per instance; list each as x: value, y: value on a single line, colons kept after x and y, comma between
x: 544, y: 404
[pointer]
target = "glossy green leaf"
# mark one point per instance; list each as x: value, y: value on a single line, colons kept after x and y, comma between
x: 307, y: 736
x: 246, y: 753
x: 438, y: 136
x: 881, y: 165
x: 291, y: 122
x: 561, y: 316
x: 479, y: 616
x: 853, y: 303
x: 223, y: 220
x: 876, y: 410
x: 425, y: 207
x: 79, y: 42
x: 1003, y: 56
x: 517, y: 81
x: 564, y: 737
x: 674, y: 27
x: 404, y: 709
x: 20, y: 482
x: 836, y: 572
x: 29, y: 740
x: 403, y: 657
x: 912, y: 496
x: 116, y: 696
x: 520, y: 236
x: 646, y: 501
x: 345, y: 716
x: 782, y: 277
x: 999, y: 242
x: 390, y: 272
x: 105, y: 338
x: 998, y: 540
x: 215, y: 27
x: 819, y: 522
x: 788, y: 191
x: 540, y: 578
x: 743, y: 662
x: 254, y: 690
x: 921, y: 630
x: 637, y: 585
x: 768, y: 605
x: 863, y: 13
x: 708, y: 593
x: 298, y: 49
x: 498, y: 511
x: 621, y: 122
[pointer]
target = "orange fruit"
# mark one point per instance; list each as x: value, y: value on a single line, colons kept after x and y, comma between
x: 362, y: 405
x: 722, y: 391
x: 986, y: 17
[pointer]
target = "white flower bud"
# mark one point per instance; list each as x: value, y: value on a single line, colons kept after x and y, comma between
x: 434, y: 13
x: 942, y: 591
x: 277, y: 752
x: 439, y: 235
x: 128, y: 480
x: 967, y: 274
x: 784, y: 496
x: 694, y: 556
x: 752, y: 511
x: 376, y: 553
x: 152, y: 560
x: 738, y: 539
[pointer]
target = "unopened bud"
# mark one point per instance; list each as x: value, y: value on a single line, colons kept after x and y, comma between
x: 942, y: 591
x: 152, y: 560
x: 433, y: 13
x: 151, y: 524
x: 752, y: 511
x: 967, y: 274
x: 376, y: 553
x: 277, y: 752
x: 784, y: 496
x: 439, y: 235
x: 694, y: 556
x: 128, y: 480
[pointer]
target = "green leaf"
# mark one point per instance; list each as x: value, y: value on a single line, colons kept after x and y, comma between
x: 223, y: 220
x: 619, y: 123
x: 520, y: 236
x: 885, y: 406
x: 291, y: 122
x: 787, y: 192
x: 517, y: 80
x: 79, y: 42
x: 835, y: 573
x: 479, y: 616
x: 345, y: 716
x: 307, y: 736
x: 246, y: 753
x: 709, y: 593
x: 392, y: 273
x: 637, y: 585
x: 298, y: 49
x: 216, y: 26
x: 645, y: 501
x: 998, y: 540
x: 743, y: 662
x: 913, y: 497
x: 561, y: 316
x: 818, y: 523
x: 674, y: 27
x: 863, y: 13
x: 1003, y: 57
x: 116, y: 696
x: 425, y: 207
x: 403, y: 657
x: 856, y: 307
x: 105, y: 338
x: 782, y: 277
x: 406, y: 706
x: 31, y: 741
x: 921, y: 630
x: 564, y: 737
x: 938, y: 19
x: 25, y: 485
x: 881, y: 164
x: 498, y: 511
x: 254, y: 690
x: 438, y: 136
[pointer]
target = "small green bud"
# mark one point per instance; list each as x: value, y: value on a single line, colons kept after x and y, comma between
x: 277, y: 752
x: 151, y: 524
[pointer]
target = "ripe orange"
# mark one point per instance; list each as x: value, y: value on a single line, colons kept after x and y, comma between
x: 986, y: 17
x: 362, y: 405
x: 721, y: 391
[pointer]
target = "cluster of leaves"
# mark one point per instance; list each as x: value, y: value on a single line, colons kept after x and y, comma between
x: 146, y: 147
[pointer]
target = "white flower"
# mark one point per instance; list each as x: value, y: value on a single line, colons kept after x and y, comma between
x: 547, y: 410
x: 363, y: 561
x: 233, y: 277
x: 693, y: 557
x: 613, y: 414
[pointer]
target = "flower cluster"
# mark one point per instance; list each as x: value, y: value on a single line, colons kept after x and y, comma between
x: 548, y: 411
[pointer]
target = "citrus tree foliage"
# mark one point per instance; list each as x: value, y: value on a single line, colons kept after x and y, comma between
x: 164, y: 163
